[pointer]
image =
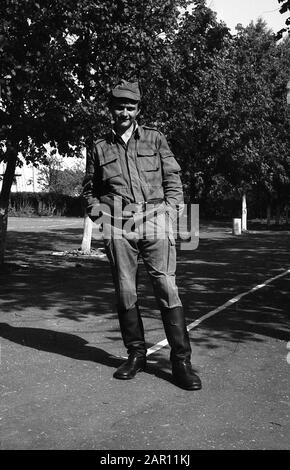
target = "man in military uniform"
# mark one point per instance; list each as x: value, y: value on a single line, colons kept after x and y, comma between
x: 133, y: 169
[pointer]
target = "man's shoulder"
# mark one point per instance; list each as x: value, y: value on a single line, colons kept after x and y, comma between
x: 102, y: 140
x: 151, y: 129
x: 151, y: 133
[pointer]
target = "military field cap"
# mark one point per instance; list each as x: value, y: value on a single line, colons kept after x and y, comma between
x: 127, y: 90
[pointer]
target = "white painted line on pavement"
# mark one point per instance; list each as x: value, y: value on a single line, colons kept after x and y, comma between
x: 230, y: 302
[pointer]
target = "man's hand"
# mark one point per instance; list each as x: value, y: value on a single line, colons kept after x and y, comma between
x: 87, y: 194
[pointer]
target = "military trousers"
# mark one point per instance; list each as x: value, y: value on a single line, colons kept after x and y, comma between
x: 152, y: 239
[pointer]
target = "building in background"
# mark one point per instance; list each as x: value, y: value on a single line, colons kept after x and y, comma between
x: 27, y: 177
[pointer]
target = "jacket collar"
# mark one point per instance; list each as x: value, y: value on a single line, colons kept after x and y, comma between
x: 137, y: 132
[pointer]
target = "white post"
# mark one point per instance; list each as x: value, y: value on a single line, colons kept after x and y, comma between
x: 88, y: 224
x: 244, y: 213
x: 87, y: 235
x: 237, y: 227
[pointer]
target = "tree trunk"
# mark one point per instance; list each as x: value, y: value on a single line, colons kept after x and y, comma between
x: 87, y: 235
x: 88, y: 224
x: 278, y: 214
x: 12, y: 152
x: 268, y: 215
x: 244, y: 213
x: 287, y: 214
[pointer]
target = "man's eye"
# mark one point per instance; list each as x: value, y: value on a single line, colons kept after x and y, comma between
x: 123, y: 109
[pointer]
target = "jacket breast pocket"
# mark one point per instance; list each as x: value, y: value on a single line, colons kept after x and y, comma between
x: 110, y: 166
x: 148, y: 160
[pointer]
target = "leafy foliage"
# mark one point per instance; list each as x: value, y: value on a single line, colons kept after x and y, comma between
x: 229, y: 122
x: 220, y: 99
x: 283, y: 9
x: 59, y: 58
x: 56, y: 179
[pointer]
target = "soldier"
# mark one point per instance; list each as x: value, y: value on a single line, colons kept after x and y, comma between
x: 133, y: 169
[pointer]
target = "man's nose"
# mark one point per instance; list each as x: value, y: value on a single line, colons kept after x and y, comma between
x: 125, y: 112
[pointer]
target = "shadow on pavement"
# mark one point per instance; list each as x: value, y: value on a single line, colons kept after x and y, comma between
x: 73, y: 346
x: 57, y: 342
x: 221, y: 267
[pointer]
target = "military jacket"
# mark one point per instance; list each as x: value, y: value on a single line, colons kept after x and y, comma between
x: 141, y: 170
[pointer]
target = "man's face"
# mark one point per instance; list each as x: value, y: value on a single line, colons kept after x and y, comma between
x: 124, y: 113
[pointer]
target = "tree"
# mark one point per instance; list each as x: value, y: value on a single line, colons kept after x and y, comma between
x: 189, y: 95
x: 54, y: 177
x: 262, y: 153
x: 228, y: 121
x: 58, y: 60
x: 35, y: 86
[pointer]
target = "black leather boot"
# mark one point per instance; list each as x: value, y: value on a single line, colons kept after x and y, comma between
x: 178, y: 339
x: 132, y: 331
x: 129, y: 369
x: 184, y: 376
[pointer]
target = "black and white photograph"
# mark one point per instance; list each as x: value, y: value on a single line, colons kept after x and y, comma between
x: 144, y: 229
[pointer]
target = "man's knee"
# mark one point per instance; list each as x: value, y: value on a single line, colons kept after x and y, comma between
x: 126, y: 301
x: 166, y: 292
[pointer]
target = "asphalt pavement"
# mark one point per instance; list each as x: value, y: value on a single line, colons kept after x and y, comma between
x: 60, y: 344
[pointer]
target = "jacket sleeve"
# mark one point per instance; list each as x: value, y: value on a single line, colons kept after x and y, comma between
x: 171, y: 181
x: 89, y: 182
